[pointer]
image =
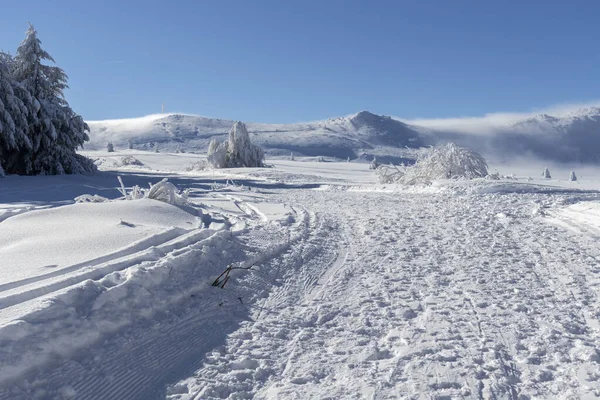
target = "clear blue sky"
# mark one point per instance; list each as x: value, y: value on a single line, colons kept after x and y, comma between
x: 290, y: 61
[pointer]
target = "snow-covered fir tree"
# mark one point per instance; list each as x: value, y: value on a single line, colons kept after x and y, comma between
x: 129, y: 144
x: 110, y: 147
x: 217, y: 154
x: 573, y: 177
x: 45, y: 132
x: 546, y: 173
x: 374, y: 164
x: 236, y: 151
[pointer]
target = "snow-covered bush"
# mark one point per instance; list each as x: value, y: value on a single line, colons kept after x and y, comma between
x: 129, y: 161
x: 236, y: 151
x: 166, y: 192
x: 198, y: 166
x: 546, y: 173
x: 374, y: 164
x: 444, y: 162
x: 88, y: 198
x: 163, y: 191
x: 573, y: 177
x: 217, y: 154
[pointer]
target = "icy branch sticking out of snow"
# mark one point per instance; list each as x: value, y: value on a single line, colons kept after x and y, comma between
x: 162, y: 191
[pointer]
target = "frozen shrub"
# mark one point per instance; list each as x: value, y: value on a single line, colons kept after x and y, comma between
x: 445, y: 162
x: 374, y: 164
x: 129, y: 161
x: 198, y: 166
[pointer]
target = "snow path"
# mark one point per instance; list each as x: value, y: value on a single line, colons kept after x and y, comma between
x: 410, y: 295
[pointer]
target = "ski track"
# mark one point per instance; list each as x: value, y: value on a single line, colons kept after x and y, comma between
x: 408, y: 295
x: 367, y: 296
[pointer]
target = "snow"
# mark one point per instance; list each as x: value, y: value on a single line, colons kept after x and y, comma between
x: 88, y: 231
x: 340, y: 287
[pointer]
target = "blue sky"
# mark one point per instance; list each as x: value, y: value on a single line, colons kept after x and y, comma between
x: 290, y: 61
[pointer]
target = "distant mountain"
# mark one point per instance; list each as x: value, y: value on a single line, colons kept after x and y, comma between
x: 571, y: 137
x: 363, y: 134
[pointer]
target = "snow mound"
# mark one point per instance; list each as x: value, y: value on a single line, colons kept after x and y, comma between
x: 583, y: 217
x: 60, y: 237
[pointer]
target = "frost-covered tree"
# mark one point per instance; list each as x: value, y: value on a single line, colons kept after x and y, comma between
x: 374, y: 164
x: 129, y: 144
x: 573, y: 177
x: 236, y: 151
x: 156, y: 148
x: 444, y: 162
x: 217, y: 154
x: 240, y: 150
x: 15, y: 106
x: 292, y: 158
x: 53, y: 130
x: 110, y: 147
x: 546, y: 173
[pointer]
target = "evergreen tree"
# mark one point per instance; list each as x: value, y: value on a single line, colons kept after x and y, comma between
x: 14, y: 102
x: 546, y: 173
x: 573, y: 177
x: 110, y: 147
x: 54, y: 130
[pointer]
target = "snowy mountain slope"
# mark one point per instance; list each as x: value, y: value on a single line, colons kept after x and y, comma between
x: 573, y: 137
x: 338, y: 137
x: 570, y: 137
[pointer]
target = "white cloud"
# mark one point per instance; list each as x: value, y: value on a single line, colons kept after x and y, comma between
x: 490, y: 123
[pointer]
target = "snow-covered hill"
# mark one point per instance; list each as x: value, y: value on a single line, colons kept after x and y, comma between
x: 574, y: 136
x: 343, y: 137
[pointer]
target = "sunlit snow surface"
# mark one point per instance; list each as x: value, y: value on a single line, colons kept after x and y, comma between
x: 481, y: 289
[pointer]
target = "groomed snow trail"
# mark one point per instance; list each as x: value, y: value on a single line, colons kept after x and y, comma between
x: 418, y: 295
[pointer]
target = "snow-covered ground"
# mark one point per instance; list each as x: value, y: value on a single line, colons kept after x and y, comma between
x: 341, y: 288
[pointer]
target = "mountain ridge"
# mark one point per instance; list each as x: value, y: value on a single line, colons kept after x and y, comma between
x: 574, y: 136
